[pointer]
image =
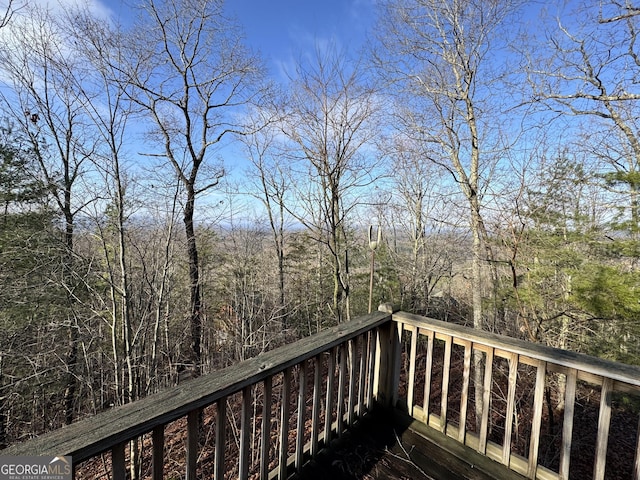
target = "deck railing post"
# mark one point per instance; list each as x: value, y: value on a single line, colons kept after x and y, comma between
x: 328, y: 423
x: 284, y: 424
x: 352, y: 356
x: 193, y: 432
x: 315, y: 412
x: 371, y: 365
x: 511, y: 405
x: 387, y: 362
x: 536, y: 423
x: 221, y: 435
x: 567, y: 424
x: 158, y: 453
x: 362, y: 365
x: 342, y: 379
x: 266, y: 428
x: 245, y: 437
x: 118, y: 462
x: 604, y: 420
x: 301, y: 421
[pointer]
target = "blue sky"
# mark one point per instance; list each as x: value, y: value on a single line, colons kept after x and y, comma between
x: 283, y: 29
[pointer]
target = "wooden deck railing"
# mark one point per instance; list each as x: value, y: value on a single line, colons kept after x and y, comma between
x: 265, y: 417
x: 519, y: 380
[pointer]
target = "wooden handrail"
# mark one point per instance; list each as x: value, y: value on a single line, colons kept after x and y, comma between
x: 607, y: 375
x: 327, y: 381
x: 621, y: 372
x: 111, y: 430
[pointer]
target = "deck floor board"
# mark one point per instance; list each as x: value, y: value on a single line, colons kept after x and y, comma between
x: 384, y: 446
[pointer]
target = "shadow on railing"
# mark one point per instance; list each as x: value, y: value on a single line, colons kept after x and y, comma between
x: 265, y: 417
x: 534, y: 423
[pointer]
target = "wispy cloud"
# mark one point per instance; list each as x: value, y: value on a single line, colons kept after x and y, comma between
x: 98, y: 8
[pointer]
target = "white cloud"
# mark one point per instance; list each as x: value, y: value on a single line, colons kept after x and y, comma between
x: 21, y: 7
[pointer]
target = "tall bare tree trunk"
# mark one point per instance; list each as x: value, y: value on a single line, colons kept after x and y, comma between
x: 195, y: 300
x: 436, y: 52
x: 71, y: 359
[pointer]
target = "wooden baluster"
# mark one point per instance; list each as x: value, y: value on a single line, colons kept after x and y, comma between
x: 362, y: 347
x: 315, y: 414
x: 221, y: 438
x: 353, y: 366
x: 157, y: 462
x: 567, y: 424
x: 604, y: 421
x: 284, y: 425
x: 427, y: 376
x: 464, y: 397
x: 379, y: 374
x: 538, y: 403
x: 245, y: 430
x: 331, y: 371
x: 302, y: 387
x: 486, y: 401
x: 342, y: 378
x: 118, y: 465
x: 412, y: 368
x: 395, y: 356
x: 446, y: 372
x: 193, y: 427
x: 266, y: 428
x: 511, y: 405
x: 371, y: 365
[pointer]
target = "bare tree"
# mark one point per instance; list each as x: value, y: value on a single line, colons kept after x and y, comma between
x: 586, y: 67
x: 191, y: 74
x: 107, y: 107
x: 427, y: 220
x: 8, y: 12
x: 271, y: 186
x: 438, y: 55
x: 329, y: 123
x: 35, y: 61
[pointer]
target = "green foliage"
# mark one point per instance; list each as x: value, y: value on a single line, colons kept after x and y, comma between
x: 590, y: 284
x: 619, y: 177
x: 607, y: 292
x: 34, y: 300
x: 577, y: 287
x: 29, y: 248
x: 557, y: 203
x: 626, y: 215
x: 610, y: 296
x: 19, y: 184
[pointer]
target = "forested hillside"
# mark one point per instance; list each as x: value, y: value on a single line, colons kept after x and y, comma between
x: 169, y: 207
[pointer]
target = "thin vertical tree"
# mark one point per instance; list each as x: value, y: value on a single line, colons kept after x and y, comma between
x: 271, y: 187
x: 191, y: 74
x: 329, y: 122
x: 438, y: 57
x: 426, y: 219
x: 35, y: 61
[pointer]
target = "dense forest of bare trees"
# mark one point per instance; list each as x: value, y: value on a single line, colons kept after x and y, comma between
x: 168, y: 209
